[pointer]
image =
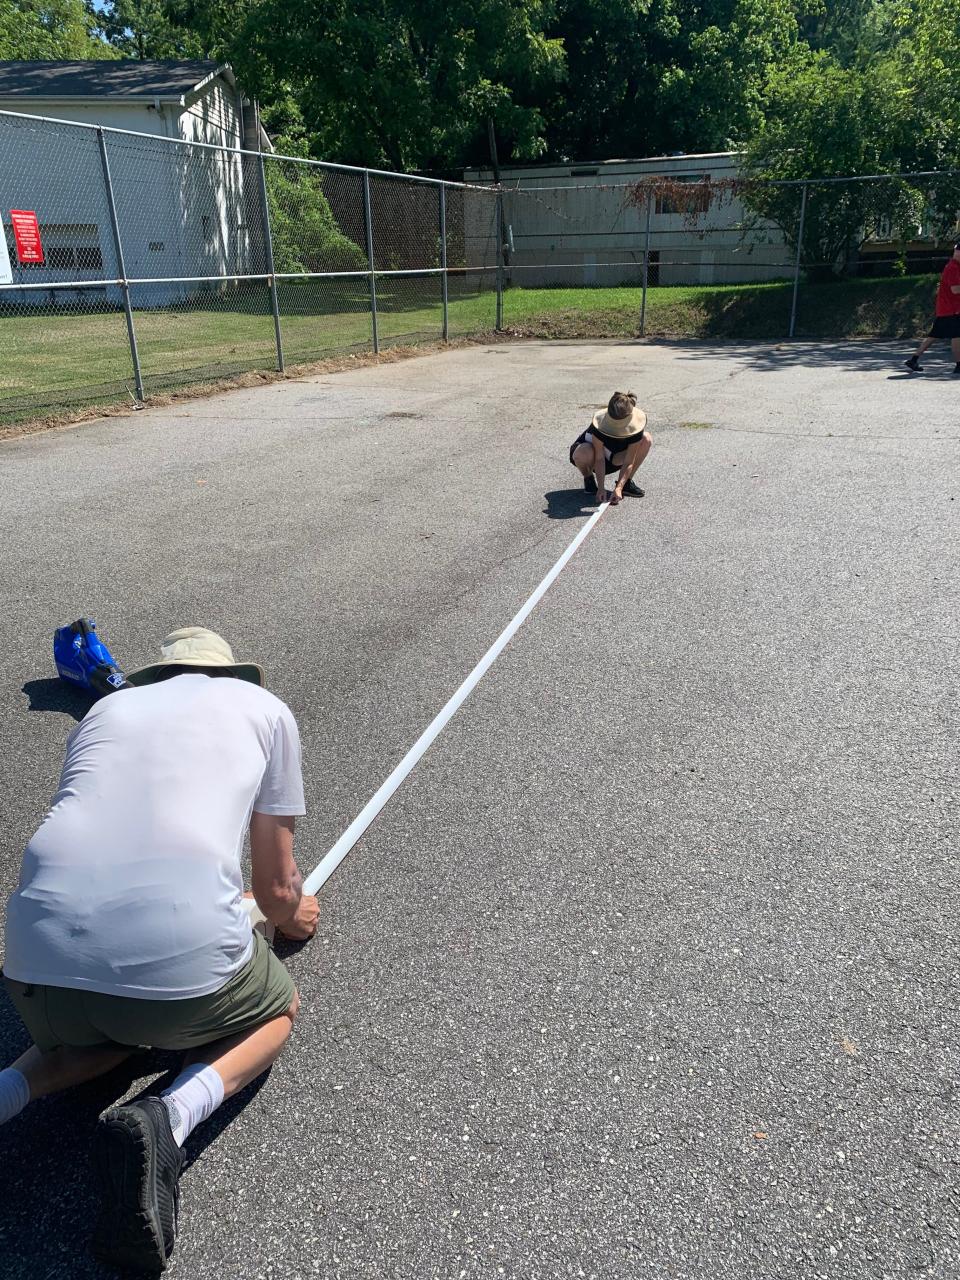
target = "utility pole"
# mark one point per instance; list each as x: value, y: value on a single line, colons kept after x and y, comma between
x: 495, y: 162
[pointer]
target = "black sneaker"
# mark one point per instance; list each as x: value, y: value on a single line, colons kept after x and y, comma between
x: 912, y: 364
x: 956, y: 370
x: 590, y: 484
x: 138, y: 1164
x: 634, y: 490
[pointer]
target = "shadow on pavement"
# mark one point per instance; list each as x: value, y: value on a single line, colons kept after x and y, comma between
x: 565, y: 504
x: 47, y: 1188
x: 55, y: 695
x: 843, y: 357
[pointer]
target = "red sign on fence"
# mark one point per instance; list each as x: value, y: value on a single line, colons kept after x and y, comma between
x: 26, y: 232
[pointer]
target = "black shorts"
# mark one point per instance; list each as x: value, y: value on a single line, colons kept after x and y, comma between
x: 607, y: 452
x: 945, y: 327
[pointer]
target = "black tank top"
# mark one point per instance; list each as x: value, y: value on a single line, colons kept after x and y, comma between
x: 617, y: 445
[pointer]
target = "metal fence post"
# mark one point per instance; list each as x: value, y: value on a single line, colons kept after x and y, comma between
x: 646, y: 269
x: 499, y: 261
x: 443, y: 261
x: 796, y: 270
x: 271, y: 269
x: 368, y: 219
x: 118, y: 247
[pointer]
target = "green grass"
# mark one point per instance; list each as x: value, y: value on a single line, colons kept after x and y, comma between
x: 53, y: 361
x: 865, y: 308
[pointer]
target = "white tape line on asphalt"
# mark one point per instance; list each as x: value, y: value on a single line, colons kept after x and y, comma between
x: 329, y: 863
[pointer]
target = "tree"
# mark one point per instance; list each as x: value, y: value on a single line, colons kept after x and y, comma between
x: 927, y: 55
x: 648, y: 77
x: 143, y: 29
x: 891, y: 111
x: 218, y: 25
x: 404, y: 83
x: 852, y: 31
x: 411, y: 83
x: 305, y: 233
x: 35, y: 30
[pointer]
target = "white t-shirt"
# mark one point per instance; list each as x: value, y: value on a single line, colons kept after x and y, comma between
x: 132, y: 886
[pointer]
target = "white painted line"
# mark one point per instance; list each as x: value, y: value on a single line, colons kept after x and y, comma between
x: 329, y: 863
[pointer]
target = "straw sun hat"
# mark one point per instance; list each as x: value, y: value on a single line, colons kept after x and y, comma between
x: 622, y: 418
x: 197, y: 647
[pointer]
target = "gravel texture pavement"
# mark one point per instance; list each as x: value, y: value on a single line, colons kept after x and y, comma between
x: 650, y: 968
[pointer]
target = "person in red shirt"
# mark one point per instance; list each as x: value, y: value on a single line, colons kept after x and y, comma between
x: 947, y: 321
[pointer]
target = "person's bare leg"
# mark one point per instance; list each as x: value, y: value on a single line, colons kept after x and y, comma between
x: 955, y: 349
x: 65, y: 1067
x: 239, y: 1059
x: 139, y: 1151
x: 636, y: 455
x: 583, y: 459
x: 924, y: 346
x: 631, y: 461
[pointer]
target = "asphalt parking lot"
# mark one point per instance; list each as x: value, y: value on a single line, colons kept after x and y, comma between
x: 649, y: 969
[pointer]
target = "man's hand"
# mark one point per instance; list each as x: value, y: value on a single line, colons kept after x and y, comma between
x: 602, y: 497
x: 616, y: 496
x: 302, y: 925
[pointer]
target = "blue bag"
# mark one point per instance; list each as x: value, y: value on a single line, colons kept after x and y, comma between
x: 84, y: 660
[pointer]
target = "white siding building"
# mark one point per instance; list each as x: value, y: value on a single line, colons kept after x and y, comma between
x: 574, y: 225
x: 183, y: 212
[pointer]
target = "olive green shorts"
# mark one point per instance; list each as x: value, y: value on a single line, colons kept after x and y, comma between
x: 57, y: 1016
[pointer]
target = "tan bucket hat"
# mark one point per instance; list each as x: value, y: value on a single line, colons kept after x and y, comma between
x: 620, y: 428
x: 197, y: 647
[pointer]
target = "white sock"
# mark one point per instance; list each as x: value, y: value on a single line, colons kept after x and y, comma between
x: 14, y: 1094
x: 193, y: 1097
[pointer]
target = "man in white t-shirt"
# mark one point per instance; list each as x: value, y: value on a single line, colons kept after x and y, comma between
x: 128, y: 927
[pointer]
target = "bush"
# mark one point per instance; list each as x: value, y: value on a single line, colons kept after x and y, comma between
x: 306, y: 236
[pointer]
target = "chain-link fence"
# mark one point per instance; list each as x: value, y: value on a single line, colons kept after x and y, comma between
x: 139, y: 263
x: 155, y: 263
x: 698, y: 253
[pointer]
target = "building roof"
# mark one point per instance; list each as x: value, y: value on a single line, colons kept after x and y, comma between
x: 554, y: 168
x: 107, y: 78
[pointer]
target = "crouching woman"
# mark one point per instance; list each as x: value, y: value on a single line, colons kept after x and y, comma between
x: 617, y: 440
